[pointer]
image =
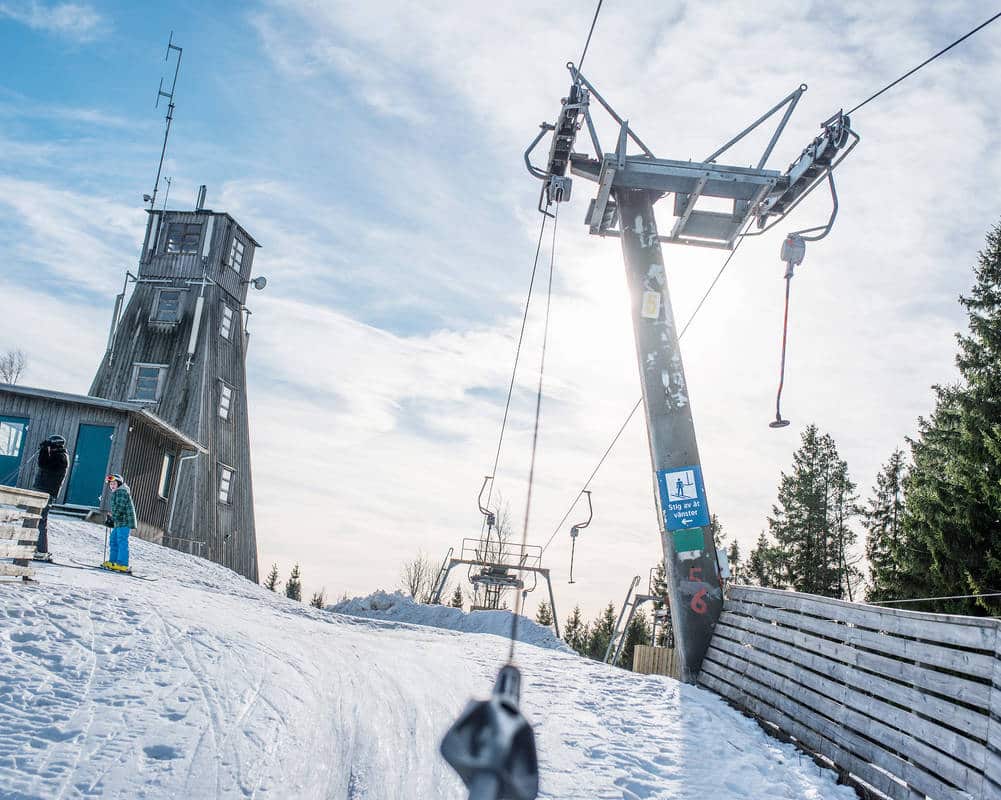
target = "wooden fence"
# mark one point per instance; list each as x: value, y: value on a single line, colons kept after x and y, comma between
x: 904, y: 701
x: 656, y: 661
x: 20, y: 510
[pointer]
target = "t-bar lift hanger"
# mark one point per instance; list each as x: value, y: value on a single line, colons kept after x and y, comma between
x: 576, y: 529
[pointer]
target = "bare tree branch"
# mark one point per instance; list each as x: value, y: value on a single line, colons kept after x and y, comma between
x: 12, y: 365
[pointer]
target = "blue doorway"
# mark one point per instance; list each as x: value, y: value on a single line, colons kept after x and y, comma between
x: 90, y: 465
x: 13, y: 432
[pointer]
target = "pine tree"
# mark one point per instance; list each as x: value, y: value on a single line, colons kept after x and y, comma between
x: 884, y: 519
x: 293, y: 586
x: 601, y: 633
x: 811, y: 522
x: 544, y: 614
x: 318, y: 600
x: 762, y: 566
x: 456, y: 601
x: 638, y: 632
x: 736, y: 567
x: 661, y: 606
x: 575, y: 632
x: 953, y: 490
x: 271, y: 582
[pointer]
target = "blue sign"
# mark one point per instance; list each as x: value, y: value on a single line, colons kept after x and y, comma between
x: 683, y: 498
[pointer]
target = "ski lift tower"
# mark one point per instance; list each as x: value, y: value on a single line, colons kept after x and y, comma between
x: 628, y: 187
x: 495, y: 567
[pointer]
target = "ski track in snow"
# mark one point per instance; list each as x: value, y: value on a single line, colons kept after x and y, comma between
x: 204, y: 685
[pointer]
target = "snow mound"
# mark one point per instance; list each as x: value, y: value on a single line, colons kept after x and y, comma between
x: 398, y: 607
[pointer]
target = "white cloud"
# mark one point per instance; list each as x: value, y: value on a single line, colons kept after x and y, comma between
x: 77, y: 21
x: 371, y: 438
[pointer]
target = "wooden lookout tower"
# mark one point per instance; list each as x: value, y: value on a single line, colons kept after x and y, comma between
x: 180, y: 345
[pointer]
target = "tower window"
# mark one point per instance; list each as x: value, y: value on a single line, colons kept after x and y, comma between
x: 225, y: 400
x: 226, y: 326
x: 147, y: 381
x: 236, y: 254
x: 166, y: 475
x: 225, y: 480
x: 182, y: 237
x: 167, y: 306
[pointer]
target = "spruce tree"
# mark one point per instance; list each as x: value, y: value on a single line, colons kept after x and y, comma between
x: 575, y: 632
x: 811, y: 522
x: 271, y: 582
x: 318, y: 600
x: 665, y: 633
x: 544, y: 614
x: 953, y: 491
x: 638, y: 632
x: 457, y: 599
x: 601, y: 633
x: 884, y: 520
x: 762, y: 564
x: 293, y: 586
x: 733, y: 559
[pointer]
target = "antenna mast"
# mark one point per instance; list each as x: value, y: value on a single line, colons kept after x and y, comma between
x: 170, y: 113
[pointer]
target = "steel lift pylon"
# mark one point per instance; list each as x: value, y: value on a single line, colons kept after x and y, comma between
x: 628, y: 186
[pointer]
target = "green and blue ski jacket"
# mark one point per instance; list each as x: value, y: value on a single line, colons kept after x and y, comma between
x: 123, y: 512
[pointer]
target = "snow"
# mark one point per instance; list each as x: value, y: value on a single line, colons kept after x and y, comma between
x: 204, y: 685
x: 400, y: 608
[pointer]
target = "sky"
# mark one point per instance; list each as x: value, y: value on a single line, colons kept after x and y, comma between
x: 375, y: 151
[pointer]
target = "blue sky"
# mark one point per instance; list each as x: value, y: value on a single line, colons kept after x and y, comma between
x: 375, y: 151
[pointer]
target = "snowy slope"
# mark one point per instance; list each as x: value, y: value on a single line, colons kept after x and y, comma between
x: 202, y: 685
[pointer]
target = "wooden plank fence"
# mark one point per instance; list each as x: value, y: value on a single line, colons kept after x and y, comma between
x: 906, y: 702
x: 20, y: 511
x: 649, y: 660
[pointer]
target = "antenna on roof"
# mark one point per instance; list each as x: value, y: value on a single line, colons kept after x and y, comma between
x: 170, y: 113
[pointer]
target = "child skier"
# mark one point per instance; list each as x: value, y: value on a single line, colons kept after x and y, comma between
x: 121, y: 520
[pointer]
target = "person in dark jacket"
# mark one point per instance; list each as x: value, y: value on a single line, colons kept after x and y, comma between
x: 121, y: 520
x: 52, y: 465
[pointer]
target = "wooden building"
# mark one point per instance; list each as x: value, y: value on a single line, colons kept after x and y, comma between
x: 102, y: 437
x: 180, y: 346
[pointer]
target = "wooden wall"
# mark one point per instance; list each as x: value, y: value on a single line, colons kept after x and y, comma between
x: 649, y: 660
x: 907, y: 702
x: 49, y: 417
x: 141, y: 470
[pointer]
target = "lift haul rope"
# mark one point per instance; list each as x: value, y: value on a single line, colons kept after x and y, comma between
x: 639, y: 402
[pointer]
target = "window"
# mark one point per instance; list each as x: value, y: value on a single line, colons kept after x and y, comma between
x: 236, y: 254
x: 226, y: 326
x: 147, y: 381
x: 182, y: 237
x: 166, y: 475
x: 167, y: 307
x: 225, y: 399
x: 11, y: 438
x: 225, y: 479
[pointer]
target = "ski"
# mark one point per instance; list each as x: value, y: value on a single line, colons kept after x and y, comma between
x: 113, y: 571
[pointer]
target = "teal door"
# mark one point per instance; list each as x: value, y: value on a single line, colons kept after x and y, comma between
x: 13, y: 432
x: 90, y: 465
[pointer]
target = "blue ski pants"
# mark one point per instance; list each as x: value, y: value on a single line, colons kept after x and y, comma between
x: 118, y: 551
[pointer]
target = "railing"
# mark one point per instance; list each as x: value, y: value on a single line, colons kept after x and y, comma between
x: 906, y: 702
x: 503, y: 553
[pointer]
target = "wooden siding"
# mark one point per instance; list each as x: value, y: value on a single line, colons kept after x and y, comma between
x: 649, y: 660
x: 142, y: 467
x: 906, y: 702
x: 49, y: 417
x: 222, y: 532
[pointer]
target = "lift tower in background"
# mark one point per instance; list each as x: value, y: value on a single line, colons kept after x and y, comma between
x: 628, y: 187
